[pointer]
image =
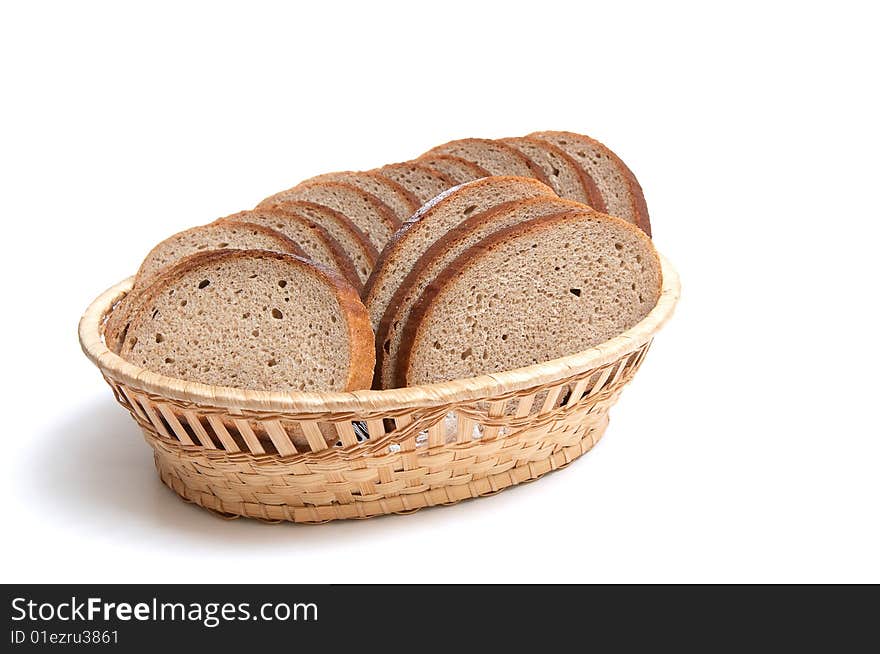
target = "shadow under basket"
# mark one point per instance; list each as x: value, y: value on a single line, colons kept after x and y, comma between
x: 315, y: 457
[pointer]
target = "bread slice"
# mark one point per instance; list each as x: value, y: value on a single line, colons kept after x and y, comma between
x: 618, y: 186
x: 253, y: 320
x: 315, y: 242
x: 455, y: 168
x: 532, y: 292
x: 355, y: 243
x: 434, y: 261
x: 494, y: 156
x: 431, y: 222
x: 565, y: 176
x: 214, y: 236
x: 423, y: 182
x: 396, y: 197
x: 365, y: 210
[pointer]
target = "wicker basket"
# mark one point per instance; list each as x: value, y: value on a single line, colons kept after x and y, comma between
x: 264, y: 455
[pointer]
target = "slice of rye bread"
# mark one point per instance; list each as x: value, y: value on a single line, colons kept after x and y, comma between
x: 371, y: 215
x: 396, y: 197
x: 434, y: 261
x: 355, y: 243
x: 455, y: 168
x: 423, y: 182
x: 566, y: 177
x: 214, y: 236
x: 618, y: 186
x: 315, y: 242
x: 253, y: 320
x: 494, y: 156
x: 430, y: 223
x: 532, y: 292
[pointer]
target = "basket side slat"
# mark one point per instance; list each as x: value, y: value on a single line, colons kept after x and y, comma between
x: 198, y: 429
x: 279, y: 437
x: 250, y: 437
x: 174, y: 423
x: 313, y: 434
x: 224, y: 436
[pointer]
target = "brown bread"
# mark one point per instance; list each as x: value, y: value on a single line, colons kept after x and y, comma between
x: 618, y: 186
x: 316, y: 244
x: 434, y: 261
x: 532, y: 292
x: 255, y: 320
x: 364, y: 209
x: 430, y: 223
x: 355, y: 243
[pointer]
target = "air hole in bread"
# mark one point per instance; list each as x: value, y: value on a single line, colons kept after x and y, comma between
x: 183, y: 303
x: 272, y: 363
x: 246, y: 315
x: 159, y: 338
x: 575, y: 291
x: 555, y: 172
x: 504, y: 337
x: 387, y: 346
x: 255, y: 333
x: 618, y: 246
x: 437, y: 345
x: 277, y: 314
x: 169, y: 360
x: 467, y: 353
x: 469, y: 210
x: 204, y: 283
x: 282, y: 283
x: 223, y: 245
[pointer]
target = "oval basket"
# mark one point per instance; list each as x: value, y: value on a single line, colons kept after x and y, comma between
x: 272, y: 456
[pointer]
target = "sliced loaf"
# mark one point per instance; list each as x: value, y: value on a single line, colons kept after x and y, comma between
x: 618, y: 186
x: 423, y: 182
x: 434, y: 261
x: 455, y: 168
x: 355, y: 243
x: 316, y: 243
x: 532, y: 292
x: 431, y: 222
x: 253, y: 320
x: 396, y: 197
x: 494, y: 156
x: 371, y: 215
x: 565, y: 176
x: 215, y: 236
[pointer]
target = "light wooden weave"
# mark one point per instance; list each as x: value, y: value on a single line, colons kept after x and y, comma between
x: 266, y: 455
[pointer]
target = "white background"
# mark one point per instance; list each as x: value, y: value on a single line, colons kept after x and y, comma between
x: 746, y: 449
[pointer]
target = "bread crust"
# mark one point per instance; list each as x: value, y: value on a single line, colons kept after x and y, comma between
x: 368, y: 250
x: 396, y: 311
x: 399, y: 238
x: 537, y: 173
x: 410, y: 201
x: 382, y: 212
x: 361, y: 351
x: 423, y: 308
x: 477, y: 170
x: 591, y: 191
x: 341, y: 261
x: 639, y: 205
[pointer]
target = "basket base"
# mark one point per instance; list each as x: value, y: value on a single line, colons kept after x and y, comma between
x: 402, y: 504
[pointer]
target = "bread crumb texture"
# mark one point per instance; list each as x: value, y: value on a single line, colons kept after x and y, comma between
x: 251, y: 322
x: 535, y: 292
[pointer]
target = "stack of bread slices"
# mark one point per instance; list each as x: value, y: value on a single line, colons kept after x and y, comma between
x: 478, y: 256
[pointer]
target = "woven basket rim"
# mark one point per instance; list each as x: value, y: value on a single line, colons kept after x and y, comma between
x: 474, y: 388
